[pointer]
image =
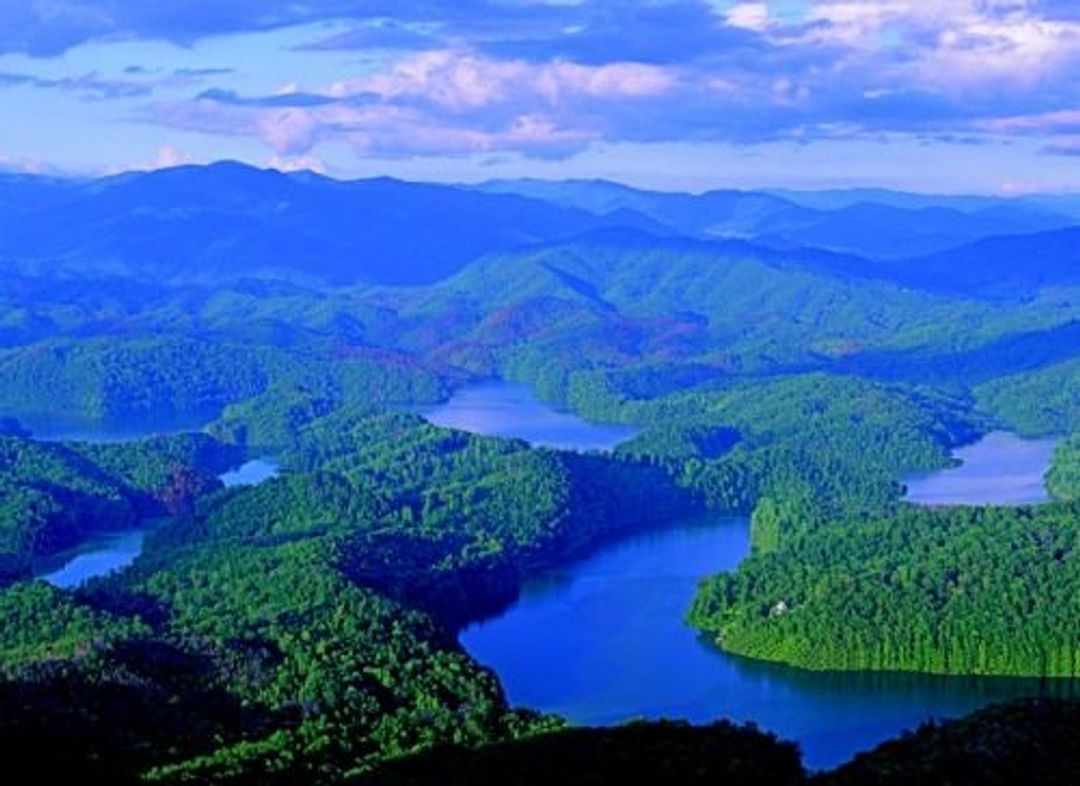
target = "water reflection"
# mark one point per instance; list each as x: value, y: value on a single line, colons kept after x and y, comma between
x: 603, y: 641
x: 99, y: 556
x: 999, y: 469
x: 506, y: 409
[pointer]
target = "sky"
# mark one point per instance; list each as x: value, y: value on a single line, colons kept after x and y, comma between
x: 951, y: 96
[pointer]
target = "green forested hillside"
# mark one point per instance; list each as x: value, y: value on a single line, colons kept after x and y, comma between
x: 952, y: 591
x: 1000, y: 746
x: 621, y: 304
x: 1024, y: 742
x: 303, y: 631
x: 1063, y: 479
x: 665, y: 752
x: 317, y: 608
x: 613, y: 301
x: 1045, y: 401
x: 107, y: 379
x: 802, y: 449
x: 53, y: 495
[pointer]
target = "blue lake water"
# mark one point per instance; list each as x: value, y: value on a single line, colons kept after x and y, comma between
x: 109, y: 552
x: 54, y: 428
x: 506, y: 409
x: 999, y: 469
x: 100, y: 556
x: 602, y: 640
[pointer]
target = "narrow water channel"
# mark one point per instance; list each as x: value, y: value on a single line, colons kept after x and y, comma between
x: 602, y: 640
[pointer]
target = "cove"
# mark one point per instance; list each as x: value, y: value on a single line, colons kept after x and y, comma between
x: 602, y: 640
x: 507, y: 409
x: 109, y: 552
x: 101, y: 555
x: 71, y: 428
x: 999, y: 469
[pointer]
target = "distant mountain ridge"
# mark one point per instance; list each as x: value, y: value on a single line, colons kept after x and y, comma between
x: 868, y: 222
x: 228, y: 221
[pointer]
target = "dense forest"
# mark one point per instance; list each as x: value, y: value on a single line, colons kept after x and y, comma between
x: 304, y: 629
x: 1028, y: 741
x: 952, y: 591
x: 386, y: 535
x: 1063, y: 479
x: 56, y: 494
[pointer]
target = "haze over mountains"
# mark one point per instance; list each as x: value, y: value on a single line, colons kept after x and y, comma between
x: 229, y: 221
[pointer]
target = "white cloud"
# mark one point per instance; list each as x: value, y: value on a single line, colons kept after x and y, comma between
x: 1065, y: 120
x: 22, y: 165
x: 748, y: 16
x: 462, y: 80
x: 952, y: 45
x: 288, y: 131
x: 306, y: 163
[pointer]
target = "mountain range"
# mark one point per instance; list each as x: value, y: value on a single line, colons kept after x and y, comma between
x: 228, y: 221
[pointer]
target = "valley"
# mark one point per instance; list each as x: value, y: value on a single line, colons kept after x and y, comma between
x: 306, y: 516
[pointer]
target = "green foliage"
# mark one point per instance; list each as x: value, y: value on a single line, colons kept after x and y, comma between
x: 664, y: 752
x: 808, y: 448
x: 1037, y: 403
x: 951, y: 591
x: 321, y: 601
x: 300, y: 631
x: 53, y: 495
x: 1063, y: 479
x: 39, y: 623
x: 161, y: 376
x: 150, y: 464
x: 361, y: 677
x: 1031, y: 741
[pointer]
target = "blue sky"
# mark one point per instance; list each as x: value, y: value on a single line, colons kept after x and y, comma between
x: 942, y: 95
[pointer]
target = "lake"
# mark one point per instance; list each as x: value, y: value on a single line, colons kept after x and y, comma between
x: 999, y: 469
x: 107, y: 553
x: 602, y: 640
x: 55, y: 428
x: 101, y: 555
x: 507, y: 409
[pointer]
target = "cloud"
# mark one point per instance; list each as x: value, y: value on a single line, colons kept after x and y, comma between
x: 1061, y: 121
x: 749, y: 16
x: 549, y: 77
x: 50, y: 27
x: 290, y: 132
x: 392, y: 129
x: 376, y: 34
x: 290, y: 98
x: 22, y: 165
x: 164, y: 157
x: 442, y: 101
x: 463, y: 80
x: 201, y: 73
x: 135, y: 82
x: 90, y: 85
x: 1060, y: 129
x: 297, y: 164
x: 1065, y: 146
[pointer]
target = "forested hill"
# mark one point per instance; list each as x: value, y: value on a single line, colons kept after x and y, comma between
x: 228, y: 221
x: 1008, y: 267
x: 302, y: 631
x: 877, y: 224
x: 1009, y: 745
